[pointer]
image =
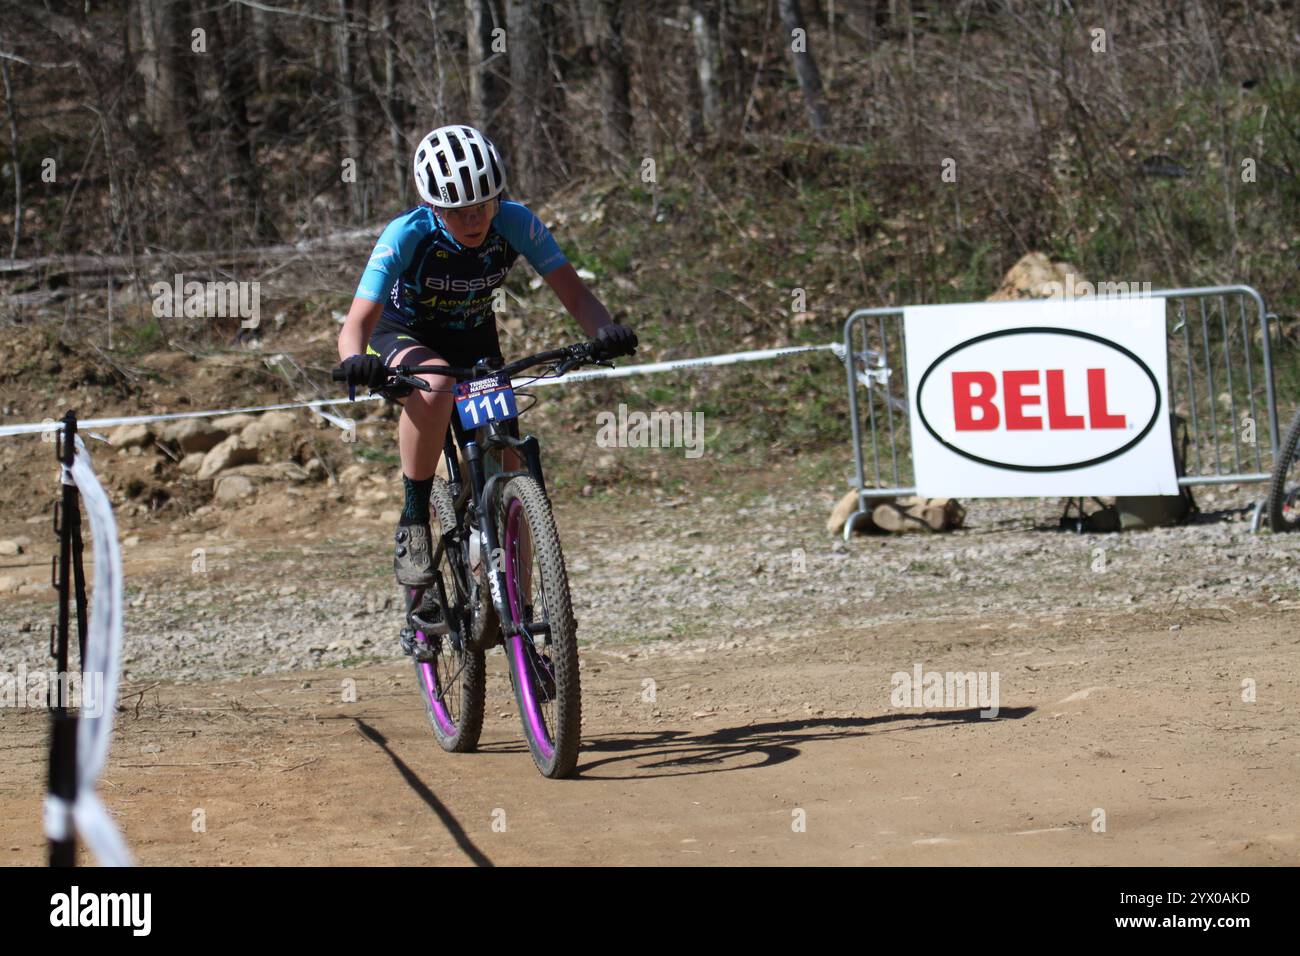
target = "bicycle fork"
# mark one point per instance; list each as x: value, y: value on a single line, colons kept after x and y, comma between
x: 486, y: 507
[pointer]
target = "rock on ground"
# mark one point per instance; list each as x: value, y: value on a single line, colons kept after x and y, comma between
x: 270, y: 423
x: 130, y: 436
x: 1029, y: 278
x: 228, y: 453
x: 193, y: 434
x: 232, y: 488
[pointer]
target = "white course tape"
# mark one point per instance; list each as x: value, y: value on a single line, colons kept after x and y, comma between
x: 58, y: 818
x: 103, y: 657
x: 316, y: 405
x: 54, y: 425
x: 344, y: 423
x: 731, y: 358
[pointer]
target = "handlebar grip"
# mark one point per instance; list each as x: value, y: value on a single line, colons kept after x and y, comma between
x: 338, y: 374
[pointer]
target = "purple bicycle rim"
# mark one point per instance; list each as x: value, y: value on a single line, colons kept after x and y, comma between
x: 429, y: 677
x: 518, y: 657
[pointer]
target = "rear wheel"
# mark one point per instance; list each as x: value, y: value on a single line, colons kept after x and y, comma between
x: 1284, y: 488
x: 544, y: 671
x: 453, y: 682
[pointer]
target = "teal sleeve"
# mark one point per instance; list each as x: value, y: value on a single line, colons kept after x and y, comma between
x: 526, y: 233
x: 390, y: 256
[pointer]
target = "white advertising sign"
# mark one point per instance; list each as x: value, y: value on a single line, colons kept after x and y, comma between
x: 1055, y: 397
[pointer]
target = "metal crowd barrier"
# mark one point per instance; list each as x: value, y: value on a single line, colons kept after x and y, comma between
x: 1220, y: 376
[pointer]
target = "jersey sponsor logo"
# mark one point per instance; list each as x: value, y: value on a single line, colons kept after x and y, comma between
x: 382, y: 251
x: 445, y: 284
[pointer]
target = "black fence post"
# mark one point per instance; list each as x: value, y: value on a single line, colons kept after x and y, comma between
x: 63, y: 730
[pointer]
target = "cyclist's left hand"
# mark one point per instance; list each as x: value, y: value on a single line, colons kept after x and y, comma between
x: 614, y: 340
x: 364, y: 370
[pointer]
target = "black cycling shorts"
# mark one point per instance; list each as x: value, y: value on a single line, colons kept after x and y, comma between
x: 461, y: 349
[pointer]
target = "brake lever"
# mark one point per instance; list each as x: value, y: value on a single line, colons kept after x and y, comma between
x: 419, y: 383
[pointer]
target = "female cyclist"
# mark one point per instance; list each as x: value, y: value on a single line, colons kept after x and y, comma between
x: 426, y: 298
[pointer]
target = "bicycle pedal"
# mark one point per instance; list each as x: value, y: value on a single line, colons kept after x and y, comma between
x: 420, y: 651
x: 426, y: 615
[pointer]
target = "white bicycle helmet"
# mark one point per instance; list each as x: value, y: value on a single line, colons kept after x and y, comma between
x: 458, y: 166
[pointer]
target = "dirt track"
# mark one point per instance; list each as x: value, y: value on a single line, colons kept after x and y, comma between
x: 284, y: 773
x: 1103, y: 707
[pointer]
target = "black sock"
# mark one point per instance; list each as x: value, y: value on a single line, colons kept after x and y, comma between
x: 416, y: 509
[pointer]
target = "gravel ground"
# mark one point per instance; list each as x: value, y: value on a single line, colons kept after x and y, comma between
x: 673, y: 575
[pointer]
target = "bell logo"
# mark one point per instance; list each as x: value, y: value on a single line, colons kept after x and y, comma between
x: 1038, y: 399
x: 975, y: 402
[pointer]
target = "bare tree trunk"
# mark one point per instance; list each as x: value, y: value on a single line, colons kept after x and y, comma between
x: 12, y: 111
x: 235, y: 73
x: 733, y: 79
x: 805, y: 66
x: 611, y: 61
x: 486, y: 91
x: 693, y: 108
x: 533, y: 96
x: 401, y: 173
x: 439, y: 65
x: 704, y: 31
x: 262, y: 30
x: 348, y: 94
x: 157, y: 62
x: 588, y: 13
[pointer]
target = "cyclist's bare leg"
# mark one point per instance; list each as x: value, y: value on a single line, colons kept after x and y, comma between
x: 422, y: 429
x: 419, y: 438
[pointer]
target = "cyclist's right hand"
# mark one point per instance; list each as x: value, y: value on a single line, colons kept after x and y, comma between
x: 368, y: 370
x: 614, y: 340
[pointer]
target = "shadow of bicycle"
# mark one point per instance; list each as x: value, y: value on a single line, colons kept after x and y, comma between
x: 670, y: 753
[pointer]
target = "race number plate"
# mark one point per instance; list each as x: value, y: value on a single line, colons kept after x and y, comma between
x: 486, y: 399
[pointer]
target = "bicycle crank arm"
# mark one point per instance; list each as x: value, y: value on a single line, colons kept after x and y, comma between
x: 431, y: 627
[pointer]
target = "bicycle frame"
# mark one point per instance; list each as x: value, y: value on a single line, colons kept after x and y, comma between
x: 483, y: 492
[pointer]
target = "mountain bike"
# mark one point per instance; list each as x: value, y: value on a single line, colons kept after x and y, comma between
x: 499, y: 570
x: 1284, y: 486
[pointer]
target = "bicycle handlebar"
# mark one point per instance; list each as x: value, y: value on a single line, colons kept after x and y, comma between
x: 568, y: 358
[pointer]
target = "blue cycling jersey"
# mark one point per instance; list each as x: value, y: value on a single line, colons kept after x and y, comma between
x: 430, y: 283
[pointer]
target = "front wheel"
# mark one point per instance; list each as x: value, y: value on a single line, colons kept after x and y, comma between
x: 544, y: 671
x: 1284, y: 488
x: 454, y: 682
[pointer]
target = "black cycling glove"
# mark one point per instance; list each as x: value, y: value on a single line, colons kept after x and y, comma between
x: 615, y: 340
x: 368, y: 370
